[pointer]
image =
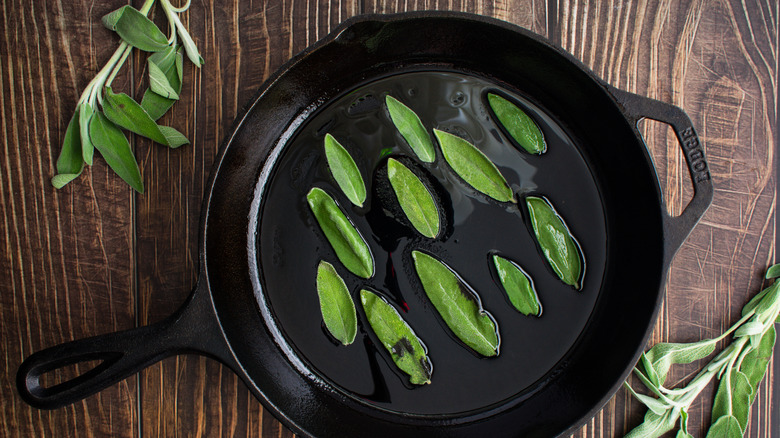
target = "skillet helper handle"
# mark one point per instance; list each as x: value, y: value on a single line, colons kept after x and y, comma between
x: 676, y: 228
x: 193, y: 328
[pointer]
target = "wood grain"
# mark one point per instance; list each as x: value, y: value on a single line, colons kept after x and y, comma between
x: 94, y: 258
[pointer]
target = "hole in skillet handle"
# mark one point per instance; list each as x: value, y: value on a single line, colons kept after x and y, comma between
x: 636, y: 108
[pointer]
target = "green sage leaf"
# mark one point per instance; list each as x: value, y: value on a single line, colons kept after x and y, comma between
x: 170, y: 62
x: 70, y: 162
x: 458, y: 305
x: 655, y: 425
x: 518, y: 286
x: 733, y: 398
x: 726, y: 427
x: 173, y: 137
x: 474, y: 167
x: 345, y: 171
x: 136, y: 29
x: 683, y: 432
x: 159, y: 83
x: 755, y: 363
x: 663, y: 355
x: 86, y: 112
x: 188, y: 43
x: 415, y: 199
x: 518, y: 124
x: 127, y: 113
x: 558, y: 245
x: 407, y: 351
x: 749, y: 328
x: 411, y: 128
x: 114, y: 147
x: 336, y: 305
x: 350, y: 247
x: 652, y: 403
x: 773, y: 272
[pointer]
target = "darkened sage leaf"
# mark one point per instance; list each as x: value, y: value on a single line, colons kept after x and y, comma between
x: 127, y: 113
x: 458, y: 305
x: 113, y: 146
x: 173, y: 137
x: 518, y: 124
x: 136, y: 29
x: 86, y: 111
x: 406, y: 349
x: 414, y: 198
x: 518, y: 286
x: 159, y: 83
x: 755, y: 363
x: 732, y: 398
x: 70, y: 162
x: 474, y: 167
x: 558, y: 245
x: 663, y: 355
x: 773, y: 272
x: 346, y: 241
x: 336, y: 305
x: 725, y: 427
x: 411, y: 128
x: 655, y: 425
x: 345, y: 171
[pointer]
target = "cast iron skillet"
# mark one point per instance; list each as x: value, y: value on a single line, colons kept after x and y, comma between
x: 227, y: 317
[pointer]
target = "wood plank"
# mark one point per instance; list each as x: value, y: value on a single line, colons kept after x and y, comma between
x: 243, y: 43
x: 66, y: 256
x: 716, y: 60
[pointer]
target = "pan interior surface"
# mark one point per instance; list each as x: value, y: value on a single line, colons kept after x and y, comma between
x: 290, y: 246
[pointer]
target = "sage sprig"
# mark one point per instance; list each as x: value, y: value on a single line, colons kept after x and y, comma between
x: 459, y: 307
x: 345, y: 171
x: 474, y: 167
x: 120, y: 110
x: 739, y: 369
x: 407, y: 351
x: 411, y: 128
x: 522, y: 128
x: 336, y: 305
x: 414, y: 198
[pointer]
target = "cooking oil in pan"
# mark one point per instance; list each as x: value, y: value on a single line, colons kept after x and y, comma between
x: 474, y: 227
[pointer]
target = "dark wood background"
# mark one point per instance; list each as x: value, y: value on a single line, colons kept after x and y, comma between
x: 95, y: 257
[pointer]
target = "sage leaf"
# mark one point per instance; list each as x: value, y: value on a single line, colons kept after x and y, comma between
x: 159, y: 83
x: 349, y: 246
x: 652, y: 403
x: 732, y: 398
x: 173, y: 137
x: 70, y: 163
x: 136, y: 29
x: 407, y: 351
x: 414, y: 198
x: 518, y: 124
x: 458, y: 305
x: 336, y: 305
x: 683, y: 432
x: 755, y: 363
x: 518, y: 286
x: 86, y: 112
x: 114, y: 147
x: 345, y: 171
x: 474, y: 167
x: 170, y: 62
x: 556, y: 242
x: 665, y: 354
x: 411, y: 128
x: 127, y: 113
x: 726, y: 427
x: 655, y: 425
x: 749, y: 328
x: 773, y: 272
x: 762, y: 301
x: 188, y: 43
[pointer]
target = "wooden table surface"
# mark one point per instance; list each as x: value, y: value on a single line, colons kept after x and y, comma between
x: 95, y: 257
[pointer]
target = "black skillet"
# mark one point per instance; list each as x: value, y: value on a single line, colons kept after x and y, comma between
x: 251, y: 307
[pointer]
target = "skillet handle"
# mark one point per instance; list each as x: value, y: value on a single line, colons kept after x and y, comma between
x: 194, y: 328
x: 676, y: 229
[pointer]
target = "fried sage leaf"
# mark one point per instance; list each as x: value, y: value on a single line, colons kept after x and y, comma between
x: 518, y: 286
x: 518, y: 124
x: 474, y: 167
x: 345, y: 171
x: 411, y: 128
x: 348, y: 244
x: 458, y: 305
x: 557, y: 243
x: 406, y: 349
x: 336, y: 305
x: 415, y: 199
